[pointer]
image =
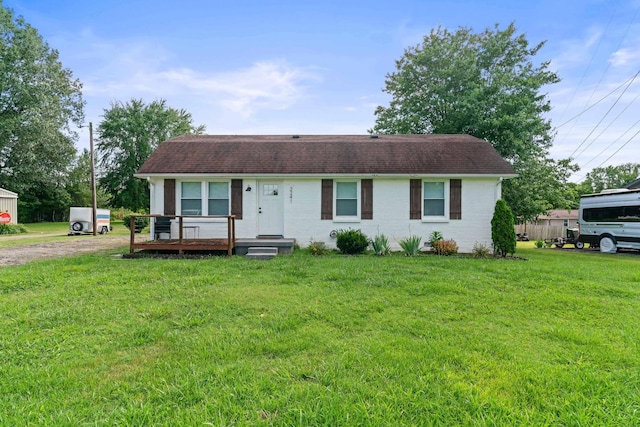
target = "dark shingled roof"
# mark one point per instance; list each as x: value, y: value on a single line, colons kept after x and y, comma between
x: 326, y: 155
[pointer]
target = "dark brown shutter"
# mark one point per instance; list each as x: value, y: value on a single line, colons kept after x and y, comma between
x: 169, y: 196
x: 415, y: 199
x: 366, y: 196
x: 455, y: 199
x: 326, y: 209
x: 236, y: 198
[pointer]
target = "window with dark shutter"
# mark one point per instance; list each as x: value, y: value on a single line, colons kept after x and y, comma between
x: 366, y: 196
x: 236, y: 198
x: 415, y: 199
x: 169, y: 196
x: 455, y: 199
x: 326, y: 209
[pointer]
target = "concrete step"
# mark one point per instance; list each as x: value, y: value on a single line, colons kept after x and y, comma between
x: 263, y: 249
x: 285, y: 246
x: 261, y: 253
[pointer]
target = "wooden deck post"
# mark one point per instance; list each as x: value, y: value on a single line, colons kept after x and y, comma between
x: 132, y: 229
x: 231, y: 234
x: 180, y: 235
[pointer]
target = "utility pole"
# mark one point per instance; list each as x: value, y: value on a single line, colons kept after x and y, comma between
x: 93, y: 184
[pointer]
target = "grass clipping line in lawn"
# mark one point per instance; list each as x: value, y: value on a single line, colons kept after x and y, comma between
x: 333, y: 340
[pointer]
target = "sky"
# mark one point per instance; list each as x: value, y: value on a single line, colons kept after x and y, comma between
x: 319, y: 67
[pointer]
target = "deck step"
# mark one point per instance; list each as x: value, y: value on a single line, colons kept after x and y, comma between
x: 262, y: 252
x: 285, y: 246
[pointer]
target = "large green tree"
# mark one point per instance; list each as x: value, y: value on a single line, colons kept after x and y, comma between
x: 487, y: 85
x: 39, y: 102
x: 79, y: 183
x: 603, y: 178
x: 128, y: 134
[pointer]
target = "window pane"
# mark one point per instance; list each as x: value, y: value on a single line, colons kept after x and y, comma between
x: 191, y: 200
x: 191, y: 190
x: 434, y: 190
x: 218, y: 207
x: 346, y: 190
x: 433, y: 207
x: 191, y: 207
x: 270, y: 189
x: 346, y: 207
x: 218, y: 190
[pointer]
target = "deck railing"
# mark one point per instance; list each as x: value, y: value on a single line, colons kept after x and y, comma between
x: 181, y: 243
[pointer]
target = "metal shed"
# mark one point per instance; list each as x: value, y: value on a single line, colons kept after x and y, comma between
x: 8, y: 204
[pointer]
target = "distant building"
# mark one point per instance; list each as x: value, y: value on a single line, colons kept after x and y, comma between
x: 559, y: 218
x: 8, y: 207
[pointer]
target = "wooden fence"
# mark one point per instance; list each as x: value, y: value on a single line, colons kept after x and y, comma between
x: 536, y: 232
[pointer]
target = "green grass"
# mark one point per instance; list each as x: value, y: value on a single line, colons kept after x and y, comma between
x: 43, y: 232
x: 333, y: 340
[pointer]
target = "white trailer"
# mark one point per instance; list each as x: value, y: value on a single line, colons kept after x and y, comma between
x: 610, y: 220
x: 81, y: 220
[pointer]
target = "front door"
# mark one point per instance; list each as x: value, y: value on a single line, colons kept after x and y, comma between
x: 270, y: 208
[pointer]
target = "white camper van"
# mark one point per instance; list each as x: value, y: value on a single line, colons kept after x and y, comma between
x: 610, y: 219
x: 81, y: 221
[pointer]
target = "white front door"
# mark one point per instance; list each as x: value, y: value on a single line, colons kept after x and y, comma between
x: 270, y: 208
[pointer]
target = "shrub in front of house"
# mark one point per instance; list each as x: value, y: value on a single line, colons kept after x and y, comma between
x: 12, y: 229
x: 317, y: 248
x: 503, y: 233
x: 140, y: 224
x: 445, y: 247
x: 351, y: 242
x: 434, y: 237
x: 411, y: 245
x: 380, y: 245
x: 480, y: 250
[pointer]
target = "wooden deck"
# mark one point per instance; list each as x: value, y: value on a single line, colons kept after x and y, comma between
x: 182, y: 244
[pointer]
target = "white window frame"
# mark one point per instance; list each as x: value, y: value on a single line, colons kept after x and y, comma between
x: 346, y: 218
x: 447, y: 196
x: 228, y: 195
x: 180, y: 198
x: 204, y: 196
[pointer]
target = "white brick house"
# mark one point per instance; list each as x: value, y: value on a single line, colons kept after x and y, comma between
x: 307, y: 186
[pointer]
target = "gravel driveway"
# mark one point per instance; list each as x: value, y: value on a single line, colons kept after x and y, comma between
x: 22, y: 254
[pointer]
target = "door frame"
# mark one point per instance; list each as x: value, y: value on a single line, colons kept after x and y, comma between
x: 276, y: 226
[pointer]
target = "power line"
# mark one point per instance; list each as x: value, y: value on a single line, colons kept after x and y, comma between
x: 594, y: 104
x: 613, y: 142
x: 603, y: 117
x: 587, y: 70
x: 618, y: 150
x: 608, y: 126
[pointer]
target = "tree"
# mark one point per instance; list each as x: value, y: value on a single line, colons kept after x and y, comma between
x: 79, y: 183
x: 39, y: 100
x: 127, y: 136
x: 486, y: 85
x: 503, y: 232
x: 610, y: 177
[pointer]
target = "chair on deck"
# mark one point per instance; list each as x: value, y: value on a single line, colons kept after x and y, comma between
x: 162, y: 224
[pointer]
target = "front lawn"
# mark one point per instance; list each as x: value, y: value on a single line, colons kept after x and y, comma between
x: 43, y: 232
x: 335, y: 340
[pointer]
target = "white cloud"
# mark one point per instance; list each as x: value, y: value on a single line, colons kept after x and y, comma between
x: 576, y: 53
x: 141, y: 68
x: 264, y: 85
x: 624, y: 56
